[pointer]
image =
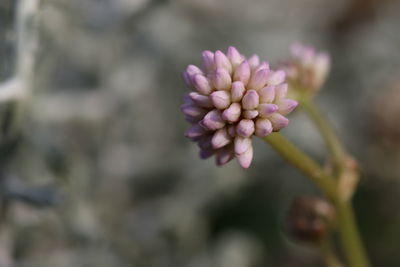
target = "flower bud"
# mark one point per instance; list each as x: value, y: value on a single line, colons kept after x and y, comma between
x: 267, y: 94
x: 245, y: 128
x: 245, y: 158
x: 243, y: 72
x: 250, y: 100
x: 220, y: 138
x: 232, y: 114
x: 267, y: 110
x: 222, y: 61
x: 287, y: 105
x: 221, y: 99
x: 259, y: 79
x: 212, y: 120
x: 237, y: 91
x: 222, y: 79
x: 201, y: 100
x: 263, y: 127
x: 224, y: 155
x: 234, y: 56
x: 207, y: 58
x: 201, y: 84
x: 254, y: 61
x: 278, y: 121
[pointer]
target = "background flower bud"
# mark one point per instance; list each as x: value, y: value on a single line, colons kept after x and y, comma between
x: 310, y: 218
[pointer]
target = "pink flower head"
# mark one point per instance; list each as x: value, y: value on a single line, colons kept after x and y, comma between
x: 232, y: 99
x: 307, y: 68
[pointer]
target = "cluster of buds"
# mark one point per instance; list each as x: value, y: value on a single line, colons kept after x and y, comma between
x: 307, y: 69
x: 310, y: 218
x: 232, y: 99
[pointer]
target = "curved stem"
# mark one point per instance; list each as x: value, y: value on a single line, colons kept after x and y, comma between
x: 334, y: 145
x: 304, y: 164
x: 349, y: 235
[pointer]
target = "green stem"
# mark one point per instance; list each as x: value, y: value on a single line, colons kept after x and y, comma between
x: 334, y: 146
x: 349, y: 235
x: 303, y: 163
x: 328, y: 254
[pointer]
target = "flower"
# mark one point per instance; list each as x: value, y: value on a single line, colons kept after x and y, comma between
x: 232, y: 99
x: 307, y: 69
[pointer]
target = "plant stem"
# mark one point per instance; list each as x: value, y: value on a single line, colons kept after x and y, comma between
x: 349, y: 235
x: 334, y: 146
x: 328, y: 254
x: 304, y: 164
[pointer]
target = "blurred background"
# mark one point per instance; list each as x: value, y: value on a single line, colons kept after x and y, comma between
x: 95, y: 170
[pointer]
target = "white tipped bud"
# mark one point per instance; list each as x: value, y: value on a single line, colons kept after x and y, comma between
x: 250, y: 100
x: 234, y: 56
x: 207, y: 58
x: 278, y: 121
x: 232, y: 114
x: 221, y: 99
x: 263, y: 127
x: 237, y: 91
x: 222, y: 79
x: 220, y: 138
x: 245, y: 128
x: 221, y: 61
x: 242, y: 72
x: 246, y: 158
x: 267, y: 94
x: 259, y: 79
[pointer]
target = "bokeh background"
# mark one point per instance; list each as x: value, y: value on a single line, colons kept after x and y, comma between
x: 94, y: 167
